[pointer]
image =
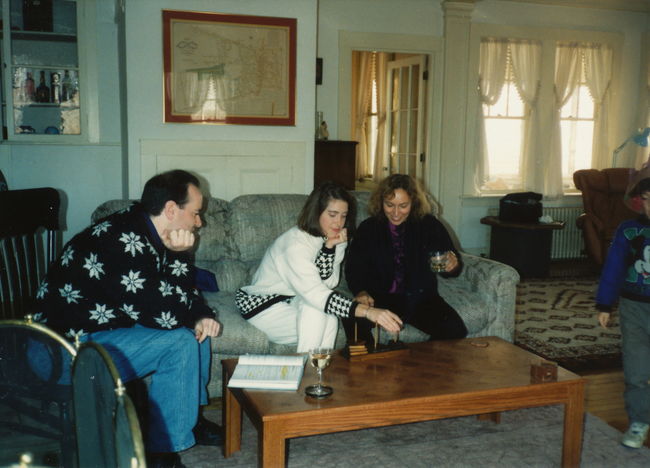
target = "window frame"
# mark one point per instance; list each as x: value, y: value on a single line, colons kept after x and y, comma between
x: 548, y: 38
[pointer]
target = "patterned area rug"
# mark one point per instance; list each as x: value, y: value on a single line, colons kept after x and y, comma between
x: 557, y: 319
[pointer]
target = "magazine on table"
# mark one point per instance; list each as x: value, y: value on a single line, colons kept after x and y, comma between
x: 268, y: 372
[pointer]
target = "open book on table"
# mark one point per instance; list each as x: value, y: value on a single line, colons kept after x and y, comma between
x: 268, y: 372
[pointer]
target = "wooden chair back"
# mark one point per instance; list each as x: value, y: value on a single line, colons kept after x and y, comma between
x: 28, y: 244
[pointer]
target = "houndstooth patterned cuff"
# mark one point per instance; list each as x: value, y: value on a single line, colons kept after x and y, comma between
x: 325, y: 262
x: 339, y: 305
x: 250, y: 305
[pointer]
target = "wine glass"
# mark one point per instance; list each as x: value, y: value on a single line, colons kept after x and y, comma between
x: 438, y: 261
x: 319, y: 358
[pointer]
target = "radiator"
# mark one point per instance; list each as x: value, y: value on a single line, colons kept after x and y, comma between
x: 567, y: 242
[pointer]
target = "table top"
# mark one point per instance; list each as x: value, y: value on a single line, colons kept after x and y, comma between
x: 436, y: 369
x: 495, y: 221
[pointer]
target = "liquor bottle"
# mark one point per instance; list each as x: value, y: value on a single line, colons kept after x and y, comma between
x: 29, y: 87
x: 66, y: 87
x: 55, y: 87
x: 42, y: 91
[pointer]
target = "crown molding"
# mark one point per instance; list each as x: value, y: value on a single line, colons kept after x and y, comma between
x: 621, y: 5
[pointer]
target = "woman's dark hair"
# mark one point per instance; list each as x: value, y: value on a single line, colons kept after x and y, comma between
x: 420, y: 204
x: 161, y: 188
x: 319, y: 198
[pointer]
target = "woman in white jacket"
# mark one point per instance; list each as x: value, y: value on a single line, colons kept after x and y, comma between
x: 292, y: 298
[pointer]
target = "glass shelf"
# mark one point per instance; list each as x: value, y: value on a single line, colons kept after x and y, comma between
x: 42, y: 83
x: 42, y: 36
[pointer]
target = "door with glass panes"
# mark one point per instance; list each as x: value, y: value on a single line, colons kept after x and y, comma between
x: 405, y: 116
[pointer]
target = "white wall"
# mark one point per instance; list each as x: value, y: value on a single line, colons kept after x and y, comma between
x: 416, y: 17
x: 425, y: 17
x: 87, y: 174
x: 144, y: 80
x: 630, y: 25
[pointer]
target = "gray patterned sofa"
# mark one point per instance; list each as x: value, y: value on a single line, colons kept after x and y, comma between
x: 236, y: 234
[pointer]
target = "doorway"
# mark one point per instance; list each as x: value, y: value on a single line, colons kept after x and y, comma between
x: 388, y: 114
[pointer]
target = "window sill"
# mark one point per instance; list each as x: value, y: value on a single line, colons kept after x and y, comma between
x: 572, y: 198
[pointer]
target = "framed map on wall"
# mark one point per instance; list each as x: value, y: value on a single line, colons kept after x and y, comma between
x: 229, y: 69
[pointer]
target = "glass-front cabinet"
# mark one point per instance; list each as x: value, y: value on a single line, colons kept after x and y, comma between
x: 41, y: 69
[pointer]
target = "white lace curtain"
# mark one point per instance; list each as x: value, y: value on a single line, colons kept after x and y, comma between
x: 525, y: 57
x: 542, y: 163
x: 381, y: 82
x: 190, y: 91
x: 369, y: 69
x: 363, y: 66
x: 492, y: 76
x: 643, y: 153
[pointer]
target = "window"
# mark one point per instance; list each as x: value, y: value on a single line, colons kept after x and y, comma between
x: 537, y: 125
x: 504, y: 122
x: 577, y: 129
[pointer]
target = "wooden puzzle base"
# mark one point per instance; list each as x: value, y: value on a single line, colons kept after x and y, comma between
x: 392, y: 349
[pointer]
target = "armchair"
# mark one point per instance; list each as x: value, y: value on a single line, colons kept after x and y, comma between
x: 602, y: 200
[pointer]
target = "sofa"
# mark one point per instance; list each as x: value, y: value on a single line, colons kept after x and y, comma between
x: 236, y: 234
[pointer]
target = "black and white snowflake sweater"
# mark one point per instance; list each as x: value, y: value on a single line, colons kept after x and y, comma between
x: 117, y: 273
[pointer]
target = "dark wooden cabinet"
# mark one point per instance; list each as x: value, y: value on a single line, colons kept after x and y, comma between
x: 335, y: 160
x: 524, y: 246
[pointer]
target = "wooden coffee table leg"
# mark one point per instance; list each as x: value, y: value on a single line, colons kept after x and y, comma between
x: 231, y: 420
x: 573, y: 424
x: 270, y: 447
x: 494, y: 417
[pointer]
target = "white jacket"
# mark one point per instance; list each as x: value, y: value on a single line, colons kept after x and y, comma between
x: 288, y: 268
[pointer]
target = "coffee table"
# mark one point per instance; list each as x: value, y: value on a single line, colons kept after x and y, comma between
x: 436, y: 380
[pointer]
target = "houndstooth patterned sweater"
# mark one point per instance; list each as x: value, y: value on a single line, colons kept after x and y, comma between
x: 297, y: 264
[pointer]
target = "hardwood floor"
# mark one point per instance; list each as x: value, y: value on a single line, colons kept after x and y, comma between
x: 604, y: 398
x: 604, y: 389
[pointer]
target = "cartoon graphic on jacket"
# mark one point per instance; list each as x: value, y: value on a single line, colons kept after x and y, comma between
x: 626, y: 272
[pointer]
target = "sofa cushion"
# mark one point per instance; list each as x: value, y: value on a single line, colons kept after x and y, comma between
x: 256, y: 220
x: 213, y: 245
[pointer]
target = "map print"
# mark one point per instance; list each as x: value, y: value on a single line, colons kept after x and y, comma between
x: 222, y: 70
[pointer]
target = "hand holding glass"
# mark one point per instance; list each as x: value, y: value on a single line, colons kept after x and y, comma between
x: 438, y: 261
x: 319, y: 358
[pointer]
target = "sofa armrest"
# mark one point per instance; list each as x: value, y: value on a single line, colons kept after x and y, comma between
x: 496, y: 284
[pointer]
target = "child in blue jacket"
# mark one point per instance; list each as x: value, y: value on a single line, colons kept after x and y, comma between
x: 626, y: 278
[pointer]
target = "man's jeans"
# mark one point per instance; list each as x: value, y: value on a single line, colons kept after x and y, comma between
x: 179, y: 368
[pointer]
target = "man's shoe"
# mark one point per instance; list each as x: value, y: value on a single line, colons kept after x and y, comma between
x: 636, y: 435
x: 207, y: 433
x: 164, y: 460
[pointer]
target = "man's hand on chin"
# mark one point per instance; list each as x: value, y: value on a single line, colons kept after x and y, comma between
x: 178, y: 240
x: 206, y: 327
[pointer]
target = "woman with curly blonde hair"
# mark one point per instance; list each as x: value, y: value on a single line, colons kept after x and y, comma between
x: 388, y: 263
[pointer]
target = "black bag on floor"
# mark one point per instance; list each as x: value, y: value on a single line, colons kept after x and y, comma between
x: 522, y: 207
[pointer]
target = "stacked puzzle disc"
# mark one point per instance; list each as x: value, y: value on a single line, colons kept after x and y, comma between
x: 357, y: 348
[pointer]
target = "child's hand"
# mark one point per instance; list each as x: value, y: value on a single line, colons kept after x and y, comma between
x: 603, y: 319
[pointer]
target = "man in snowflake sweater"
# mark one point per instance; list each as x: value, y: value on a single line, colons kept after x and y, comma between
x: 129, y: 283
